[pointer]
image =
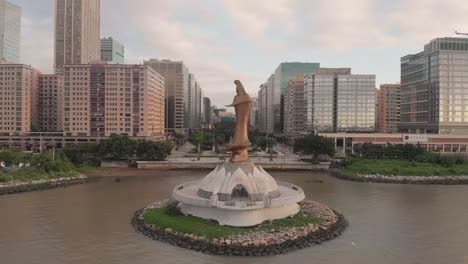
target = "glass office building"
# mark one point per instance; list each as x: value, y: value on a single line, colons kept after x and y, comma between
x: 319, y: 94
x: 355, y: 103
x: 112, y: 51
x: 434, y: 88
x: 10, y: 32
x: 338, y: 101
x: 284, y: 72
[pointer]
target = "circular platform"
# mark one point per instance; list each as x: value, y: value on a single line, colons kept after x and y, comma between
x: 255, y: 243
x: 238, y: 194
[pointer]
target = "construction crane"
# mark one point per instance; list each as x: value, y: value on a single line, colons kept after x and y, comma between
x: 461, y: 33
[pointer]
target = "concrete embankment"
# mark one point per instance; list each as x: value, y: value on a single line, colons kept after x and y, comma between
x: 19, y: 187
x: 212, y: 165
x: 375, y: 178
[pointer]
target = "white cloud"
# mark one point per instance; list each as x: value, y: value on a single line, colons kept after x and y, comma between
x: 214, y: 37
x: 256, y: 19
x: 341, y: 25
x: 37, y: 44
x: 165, y: 37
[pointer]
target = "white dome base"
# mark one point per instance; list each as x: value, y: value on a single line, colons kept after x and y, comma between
x: 238, y: 194
x: 225, y: 177
x: 240, y: 218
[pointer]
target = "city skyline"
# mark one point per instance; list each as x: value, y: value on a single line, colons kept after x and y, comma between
x: 196, y: 34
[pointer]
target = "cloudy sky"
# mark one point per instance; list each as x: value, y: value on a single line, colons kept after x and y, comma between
x: 223, y: 40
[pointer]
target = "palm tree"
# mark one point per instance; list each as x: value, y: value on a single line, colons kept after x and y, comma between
x: 198, y: 140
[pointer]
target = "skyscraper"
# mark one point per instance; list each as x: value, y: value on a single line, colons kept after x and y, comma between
x: 77, y: 32
x: 434, y: 88
x: 262, y: 108
x: 284, y: 72
x: 253, y: 119
x: 198, y: 106
x: 10, y: 32
x: 176, y: 75
x: 267, y: 101
x: 191, y: 103
x: 112, y: 51
x: 207, y: 110
x: 388, y: 111
x: 273, y: 119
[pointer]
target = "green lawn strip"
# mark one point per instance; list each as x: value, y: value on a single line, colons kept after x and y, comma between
x: 170, y: 217
x: 35, y: 174
x: 393, y: 167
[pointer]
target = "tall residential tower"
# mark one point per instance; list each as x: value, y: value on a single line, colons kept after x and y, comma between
x: 107, y: 99
x: 177, y: 82
x: 388, y: 110
x: 18, y: 94
x: 77, y: 32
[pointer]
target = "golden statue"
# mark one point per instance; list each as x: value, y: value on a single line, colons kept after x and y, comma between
x: 240, y: 143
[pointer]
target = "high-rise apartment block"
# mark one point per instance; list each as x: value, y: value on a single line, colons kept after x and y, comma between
x: 294, y: 105
x: 112, y: 51
x: 434, y: 88
x: 18, y: 94
x: 388, y: 109
x: 253, y: 118
x: 198, y: 114
x: 106, y: 99
x: 189, y: 101
x: 77, y: 32
x: 177, y: 82
x: 193, y: 102
x: 266, y: 102
x: 207, y: 112
x: 49, y: 103
x: 10, y: 32
x: 262, y: 105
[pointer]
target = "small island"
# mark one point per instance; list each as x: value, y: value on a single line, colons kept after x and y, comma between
x: 239, y: 208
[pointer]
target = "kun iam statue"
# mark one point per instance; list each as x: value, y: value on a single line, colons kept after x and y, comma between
x: 239, y: 192
x: 240, y: 143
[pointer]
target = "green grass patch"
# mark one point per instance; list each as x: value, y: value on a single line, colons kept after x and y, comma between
x: 42, y: 166
x: 171, y: 217
x: 394, y: 167
x: 35, y: 174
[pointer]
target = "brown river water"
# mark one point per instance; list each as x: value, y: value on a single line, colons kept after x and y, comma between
x: 91, y: 223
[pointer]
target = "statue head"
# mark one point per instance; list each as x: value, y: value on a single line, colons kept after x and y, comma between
x: 240, y: 88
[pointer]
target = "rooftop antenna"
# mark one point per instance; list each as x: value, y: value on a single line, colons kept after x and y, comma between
x: 461, y: 33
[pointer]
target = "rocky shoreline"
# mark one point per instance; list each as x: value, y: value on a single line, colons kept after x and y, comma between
x: 374, y: 178
x: 39, y: 185
x: 260, y: 243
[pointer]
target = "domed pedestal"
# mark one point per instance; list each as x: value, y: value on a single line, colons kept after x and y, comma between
x: 239, y: 194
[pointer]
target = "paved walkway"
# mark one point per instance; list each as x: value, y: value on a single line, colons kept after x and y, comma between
x: 180, y: 153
